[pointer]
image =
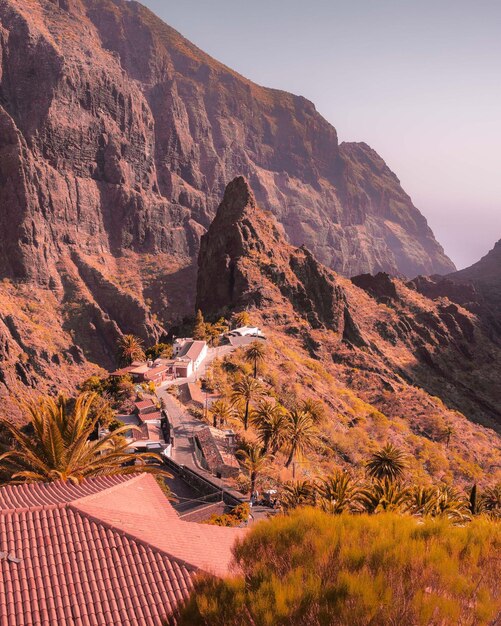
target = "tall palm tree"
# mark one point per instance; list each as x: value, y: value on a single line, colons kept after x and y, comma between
x: 59, y: 446
x: 301, y: 434
x: 339, y: 493
x: 297, y: 493
x: 222, y: 411
x: 389, y: 462
x: 384, y: 495
x: 130, y: 348
x: 255, y: 354
x: 244, y: 392
x: 269, y: 421
x: 254, y: 461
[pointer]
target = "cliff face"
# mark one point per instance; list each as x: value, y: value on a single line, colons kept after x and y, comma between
x: 117, y: 138
x: 383, y: 334
x: 117, y: 133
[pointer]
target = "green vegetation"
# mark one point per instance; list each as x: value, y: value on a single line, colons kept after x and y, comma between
x: 221, y: 412
x: 130, y: 348
x: 388, y: 463
x: 236, y: 516
x: 254, y: 459
x: 199, y: 331
x: 240, y: 319
x: 246, y: 390
x: 310, y: 568
x: 159, y: 350
x: 255, y: 354
x: 56, y: 444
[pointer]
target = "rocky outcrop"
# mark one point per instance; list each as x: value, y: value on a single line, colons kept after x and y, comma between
x: 245, y: 262
x: 478, y: 288
x: 381, y: 332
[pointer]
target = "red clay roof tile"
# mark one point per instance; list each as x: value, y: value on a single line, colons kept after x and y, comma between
x: 88, y: 557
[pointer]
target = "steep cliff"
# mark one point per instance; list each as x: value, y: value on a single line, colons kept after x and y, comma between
x: 117, y: 133
x: 383, y: 334
x: 117, y: 138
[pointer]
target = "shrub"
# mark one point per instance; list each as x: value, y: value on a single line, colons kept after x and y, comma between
x: 311, y: 569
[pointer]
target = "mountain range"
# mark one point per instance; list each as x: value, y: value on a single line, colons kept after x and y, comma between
x: 117, y: 140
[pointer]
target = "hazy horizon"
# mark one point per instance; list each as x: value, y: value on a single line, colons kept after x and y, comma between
x: 420, y: 83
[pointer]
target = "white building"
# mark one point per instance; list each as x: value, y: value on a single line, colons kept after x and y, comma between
x: 246, y: 331
x: 188, y: 355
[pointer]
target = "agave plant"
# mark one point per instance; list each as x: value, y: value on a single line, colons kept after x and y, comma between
x: 388, y: 463
x: 59, y: 447
x: 339, y: 493
x: 491, y: 499
x: 421, y: 500
x: 384, y: 495
x: 451, y: 504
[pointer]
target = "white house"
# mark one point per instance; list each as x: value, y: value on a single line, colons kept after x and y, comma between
x: 189, y: 355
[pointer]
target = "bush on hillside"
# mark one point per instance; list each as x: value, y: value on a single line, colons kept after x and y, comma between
x: 314, y: 569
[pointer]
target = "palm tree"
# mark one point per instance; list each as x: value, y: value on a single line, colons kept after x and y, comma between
x: 222, y: 411
x: 300, y: 432
x: 389, y: 462
x: 269, y: 421
x: 339, y: 493
x: 254, y: 460
x: 130, y: 348
x: 384, y: 495
x: 297, y: 493
x: 240, y: 319
x: 59, y: 446
x: 255, y: 354
x: 314, y: 408
x: 244, y: 392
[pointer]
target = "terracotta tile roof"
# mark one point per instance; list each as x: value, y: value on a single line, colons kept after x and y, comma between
x: 89, y: 556
x: 148, y: 417
x: 142, y: 405
x: 43, y: 494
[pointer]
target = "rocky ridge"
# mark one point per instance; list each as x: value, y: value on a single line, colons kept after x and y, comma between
x: 377, y: 326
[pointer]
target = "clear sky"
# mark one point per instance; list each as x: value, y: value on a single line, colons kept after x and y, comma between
x: 418, y: 80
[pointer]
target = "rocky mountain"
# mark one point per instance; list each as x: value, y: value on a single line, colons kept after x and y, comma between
x: 118, y: 134
x: 117, y: 138
x: 387, y: 338
x: 478, y: 288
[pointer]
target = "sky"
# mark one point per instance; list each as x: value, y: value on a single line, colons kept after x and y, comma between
x: 418, y: 80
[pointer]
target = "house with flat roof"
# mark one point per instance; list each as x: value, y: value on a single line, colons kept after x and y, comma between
x: 110, y: 550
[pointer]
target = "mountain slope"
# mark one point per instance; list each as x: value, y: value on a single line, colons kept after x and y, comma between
x: 377, y: 325
x: 478, y: 288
